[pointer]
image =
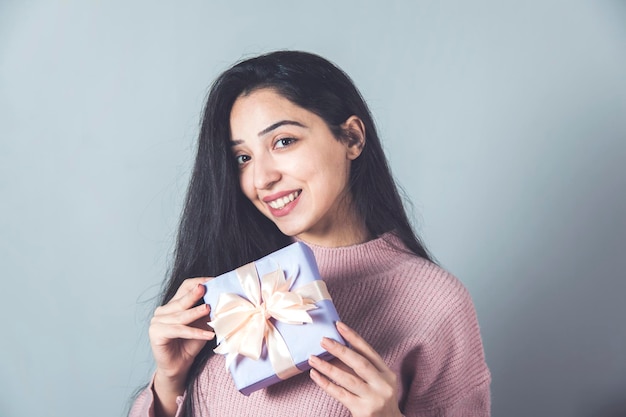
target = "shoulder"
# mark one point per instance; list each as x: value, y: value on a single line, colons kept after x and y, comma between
x: 425, y: 279
x: 429, y: 295
x: 384, y: 274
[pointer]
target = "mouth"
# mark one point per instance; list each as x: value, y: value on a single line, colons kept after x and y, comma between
x: 281, y: 202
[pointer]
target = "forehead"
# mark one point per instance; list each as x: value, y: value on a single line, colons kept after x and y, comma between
x: 259, y: 109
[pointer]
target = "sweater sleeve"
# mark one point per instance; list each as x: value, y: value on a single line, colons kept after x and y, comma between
x: 446, y: 374
x: 144, y: 403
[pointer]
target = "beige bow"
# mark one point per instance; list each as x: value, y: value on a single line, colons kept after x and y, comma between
x: 241, y: 325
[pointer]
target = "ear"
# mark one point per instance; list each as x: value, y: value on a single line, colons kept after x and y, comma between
x: 354, y: 132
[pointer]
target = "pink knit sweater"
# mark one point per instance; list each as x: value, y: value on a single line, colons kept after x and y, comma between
x: 418, y: 317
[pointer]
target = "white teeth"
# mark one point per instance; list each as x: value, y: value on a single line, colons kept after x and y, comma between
x: 279, y: 203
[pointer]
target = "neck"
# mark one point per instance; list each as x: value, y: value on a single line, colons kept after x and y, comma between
x: 349, y: 230
x: 336, y: 239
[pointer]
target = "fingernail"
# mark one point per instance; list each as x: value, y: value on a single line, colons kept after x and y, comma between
x: 314, y: 375
x: 341, y: 326
x: 326, y: 342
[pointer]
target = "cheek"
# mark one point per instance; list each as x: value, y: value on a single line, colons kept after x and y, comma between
x: 335, y: 167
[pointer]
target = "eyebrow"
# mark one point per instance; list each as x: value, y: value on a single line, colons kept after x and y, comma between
x: 279, y: 124
x: 268, y: 129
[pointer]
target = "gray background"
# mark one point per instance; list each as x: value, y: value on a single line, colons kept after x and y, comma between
x: 505, y: 122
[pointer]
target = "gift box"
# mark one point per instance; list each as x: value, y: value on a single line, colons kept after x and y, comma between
x: 270, y: 315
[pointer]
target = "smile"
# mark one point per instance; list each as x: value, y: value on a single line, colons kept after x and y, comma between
x: 281, y: 202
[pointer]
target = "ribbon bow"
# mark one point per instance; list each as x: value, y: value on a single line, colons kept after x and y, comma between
x: 242, y: 324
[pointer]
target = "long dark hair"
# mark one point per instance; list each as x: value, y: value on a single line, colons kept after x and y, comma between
x: 220, y: 229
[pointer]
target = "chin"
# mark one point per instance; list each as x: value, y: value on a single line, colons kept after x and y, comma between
x: 290, y: 230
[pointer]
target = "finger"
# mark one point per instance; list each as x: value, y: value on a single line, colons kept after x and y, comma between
x: 376, y: 391
x: 202, y: 323
x: 338, y: 393
x: 185, y: 316
x: 185, y: 302
x: 359, y: 363
x: 188, y: 285
x: 336, y: 362
x: 359, y: 345
x: 339, y: 376
x: 162, y: 333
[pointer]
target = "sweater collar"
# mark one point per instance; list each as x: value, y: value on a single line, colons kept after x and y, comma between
x: 355, y: 262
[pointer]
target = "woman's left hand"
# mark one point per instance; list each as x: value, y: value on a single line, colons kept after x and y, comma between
x: 361, y: 380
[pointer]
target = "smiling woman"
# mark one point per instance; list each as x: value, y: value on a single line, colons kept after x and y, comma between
x: 288, y: 150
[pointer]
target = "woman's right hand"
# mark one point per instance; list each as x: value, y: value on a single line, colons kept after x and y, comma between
x: 178, y: 331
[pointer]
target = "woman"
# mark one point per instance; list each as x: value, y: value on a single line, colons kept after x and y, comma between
x: 288, y: 149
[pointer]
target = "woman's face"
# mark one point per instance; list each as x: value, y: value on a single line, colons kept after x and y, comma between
x: 293, y: 169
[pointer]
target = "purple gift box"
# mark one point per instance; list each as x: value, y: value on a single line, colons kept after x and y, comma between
x: 297, y: 263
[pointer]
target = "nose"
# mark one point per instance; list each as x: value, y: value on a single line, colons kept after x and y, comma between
x: 266, y: 173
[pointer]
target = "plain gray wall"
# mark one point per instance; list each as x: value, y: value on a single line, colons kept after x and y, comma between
x: 505, y: 123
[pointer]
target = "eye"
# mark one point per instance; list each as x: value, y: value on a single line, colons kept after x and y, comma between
x: 284, y: 142
x: 242, y: 159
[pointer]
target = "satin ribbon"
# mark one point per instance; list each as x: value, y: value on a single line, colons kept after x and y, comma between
x: 242, y: 324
